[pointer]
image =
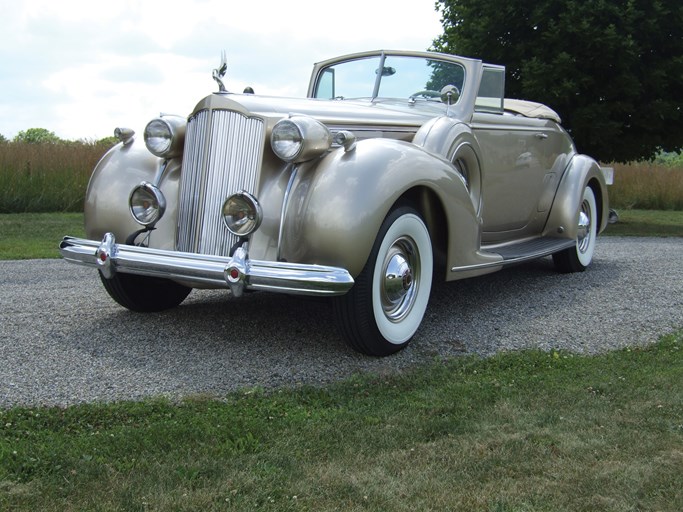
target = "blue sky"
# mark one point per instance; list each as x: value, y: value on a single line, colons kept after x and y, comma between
x: 80, y: 68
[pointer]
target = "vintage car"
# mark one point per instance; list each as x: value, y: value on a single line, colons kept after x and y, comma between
x: 398, y: 168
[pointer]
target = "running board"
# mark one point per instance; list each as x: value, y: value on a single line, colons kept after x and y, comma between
x: 520, y: 252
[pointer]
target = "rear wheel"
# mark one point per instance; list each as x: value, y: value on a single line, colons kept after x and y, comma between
x: 144, y: 294
x: 578, y: 257
x: 385, y: 307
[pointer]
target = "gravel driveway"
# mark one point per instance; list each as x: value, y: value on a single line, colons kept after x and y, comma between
x: 64, y: 341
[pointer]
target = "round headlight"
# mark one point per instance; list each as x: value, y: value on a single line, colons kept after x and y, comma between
x: 147, y: 204
x: 286, y: 140
x: 242, y: 214
x: 165, y: 136
x: 300, y: 138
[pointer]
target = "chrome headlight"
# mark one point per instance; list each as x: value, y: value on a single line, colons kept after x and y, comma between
x: 299, y: 139
x: 165, y: 136
x: 242, y: 214
x: 147, y: 204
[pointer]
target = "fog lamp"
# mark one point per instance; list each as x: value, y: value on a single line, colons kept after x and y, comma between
x: 147, y: 204
x: 242, y: 214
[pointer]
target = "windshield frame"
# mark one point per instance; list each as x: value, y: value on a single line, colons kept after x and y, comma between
x: 462, y: 109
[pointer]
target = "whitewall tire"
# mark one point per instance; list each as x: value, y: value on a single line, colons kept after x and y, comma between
x: 578, y: 257
x: 385, y: 307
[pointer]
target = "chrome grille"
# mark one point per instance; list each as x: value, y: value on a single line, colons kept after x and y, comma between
x: 223, y: 152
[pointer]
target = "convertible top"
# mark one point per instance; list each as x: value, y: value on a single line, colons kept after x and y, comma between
x: 531, y: 109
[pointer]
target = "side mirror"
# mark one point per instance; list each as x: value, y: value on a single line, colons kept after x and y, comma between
x: 450, y: 94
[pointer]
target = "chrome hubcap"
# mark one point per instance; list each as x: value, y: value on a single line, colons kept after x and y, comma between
x: 400, y: 279
x: 584, y: 231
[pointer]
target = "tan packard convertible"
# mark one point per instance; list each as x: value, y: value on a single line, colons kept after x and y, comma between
x: 398, y: 169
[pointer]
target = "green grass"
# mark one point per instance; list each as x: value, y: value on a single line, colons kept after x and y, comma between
x: 36, y: 235
x: 518, y: 431
x: 647, y: 223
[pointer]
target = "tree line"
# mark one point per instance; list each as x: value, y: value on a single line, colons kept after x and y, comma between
x: 45, y: 136
x: 612, y: 69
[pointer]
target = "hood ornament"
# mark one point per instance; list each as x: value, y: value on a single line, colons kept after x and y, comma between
x: 219, y: 73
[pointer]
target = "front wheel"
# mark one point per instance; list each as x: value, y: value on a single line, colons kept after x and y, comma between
x: 385, y: 307
x: 144, y: 294
x: 578, y: 257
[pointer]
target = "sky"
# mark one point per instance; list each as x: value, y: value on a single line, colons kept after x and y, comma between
x: 81, y: 68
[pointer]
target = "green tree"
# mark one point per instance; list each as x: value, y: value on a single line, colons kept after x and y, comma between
x: 612, y: 69
x: 3, y: 139
x: 108, y: 141
x: 37, y: 136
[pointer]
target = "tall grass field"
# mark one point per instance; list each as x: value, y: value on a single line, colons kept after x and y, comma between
x: 46, y: 177
x: 647, y: 186
x: 53, y: 178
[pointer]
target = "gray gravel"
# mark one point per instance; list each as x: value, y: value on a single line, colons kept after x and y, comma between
x: 64, y: 341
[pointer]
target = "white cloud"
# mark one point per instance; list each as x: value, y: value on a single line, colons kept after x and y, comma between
x: 81, y: 68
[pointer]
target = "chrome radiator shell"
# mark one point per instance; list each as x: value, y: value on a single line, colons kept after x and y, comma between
x: 223, y: 155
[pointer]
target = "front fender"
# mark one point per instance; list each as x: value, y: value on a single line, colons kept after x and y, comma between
x: 120, y: 170
x: 453, y: 140
x: 338, y: 205
x: 582, y: 171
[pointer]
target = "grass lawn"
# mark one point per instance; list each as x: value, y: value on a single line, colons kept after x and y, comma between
x: 647, y: 223
x: 36, y: 235
x: 518, y: 431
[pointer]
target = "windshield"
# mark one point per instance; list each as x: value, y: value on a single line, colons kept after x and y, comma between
x: 400, y: 77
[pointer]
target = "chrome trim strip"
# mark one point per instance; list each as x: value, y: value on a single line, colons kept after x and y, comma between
x: 285, y: 204
x: 371, y: 128
x: 566, y: 244
x: 203, y: 270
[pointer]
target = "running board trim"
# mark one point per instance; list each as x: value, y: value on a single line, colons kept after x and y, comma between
x: 520, y: 252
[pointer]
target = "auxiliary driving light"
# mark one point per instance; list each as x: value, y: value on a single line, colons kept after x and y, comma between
x: 147, y: 204
x: 242, y: 214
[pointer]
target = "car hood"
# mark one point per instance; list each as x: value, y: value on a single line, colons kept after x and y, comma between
x: 334, y: 113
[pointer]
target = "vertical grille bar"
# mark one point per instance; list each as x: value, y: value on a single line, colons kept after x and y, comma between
x: 223, y: 153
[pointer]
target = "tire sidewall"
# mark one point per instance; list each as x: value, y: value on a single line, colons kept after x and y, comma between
x: 406, y: 223
x: 584, y: 258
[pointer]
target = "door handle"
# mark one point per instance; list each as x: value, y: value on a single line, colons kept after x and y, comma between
x: 541, y: 136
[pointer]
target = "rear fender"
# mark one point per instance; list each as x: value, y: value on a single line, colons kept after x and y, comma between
x: 582, y: 171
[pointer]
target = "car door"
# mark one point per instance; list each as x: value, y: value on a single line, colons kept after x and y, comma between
x: 522, y: 159
x: 518, y: 156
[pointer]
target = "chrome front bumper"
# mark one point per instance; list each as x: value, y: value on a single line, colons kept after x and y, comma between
x: 237, y: 272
